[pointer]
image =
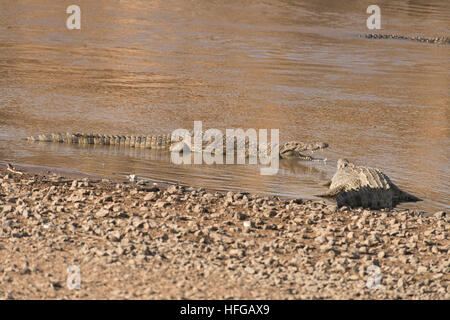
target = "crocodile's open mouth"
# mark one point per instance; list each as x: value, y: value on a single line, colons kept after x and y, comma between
x: 294, y: 150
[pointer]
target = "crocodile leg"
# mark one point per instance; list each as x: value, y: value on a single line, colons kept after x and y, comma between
x: 332, y: 193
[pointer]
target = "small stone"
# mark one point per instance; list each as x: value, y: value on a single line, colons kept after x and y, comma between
x: 270, y: 213
x: 116, y: 236
x: 422, y: 269
x: 26, y: 213
x: 74, y: 183
x: 106, y: 199
x: 250, y: 270
x: 162, y: 204
x: 150, y: 196
x: 172, y: 189
x: 237, y: 252
x: 101, y: 213
x: 199, y: 209
x: 56, y: 284
x: 320, y: 239
x: 326, y: 247
x: 440, y: 214
x: 7, y: 209
x: 240, y: 216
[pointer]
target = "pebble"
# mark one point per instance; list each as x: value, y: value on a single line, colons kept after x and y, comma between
x: 151, y: 196
x: 440, y: 214
x: 422, y: 269
x: 101, y: 213
x: 7, y: 208
x: 240, y: 216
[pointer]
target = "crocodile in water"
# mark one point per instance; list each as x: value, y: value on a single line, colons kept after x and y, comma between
x: 436, y: 40
x: 288, y: 150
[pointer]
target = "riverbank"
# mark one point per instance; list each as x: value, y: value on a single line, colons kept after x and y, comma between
x: 146, y: 241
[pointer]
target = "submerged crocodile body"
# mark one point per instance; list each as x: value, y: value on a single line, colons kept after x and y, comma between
x: 436, y: 40
x: 360, y: 186
x: 289, y: 150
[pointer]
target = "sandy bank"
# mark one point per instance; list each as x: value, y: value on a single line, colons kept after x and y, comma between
x: 158, y: 242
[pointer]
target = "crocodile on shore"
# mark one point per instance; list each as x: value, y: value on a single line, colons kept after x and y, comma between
x: 289, y: 150
x: 436, y: 40
x: 360, y: 186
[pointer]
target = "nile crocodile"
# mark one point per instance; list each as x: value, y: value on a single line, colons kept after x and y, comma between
x: 359, y: 186
x: 436, y: 40
x: 289, y: 150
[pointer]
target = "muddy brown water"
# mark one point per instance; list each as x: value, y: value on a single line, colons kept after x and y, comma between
x: 147, y: 67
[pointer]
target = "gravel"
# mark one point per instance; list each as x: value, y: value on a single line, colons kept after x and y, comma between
x: 140, y: 241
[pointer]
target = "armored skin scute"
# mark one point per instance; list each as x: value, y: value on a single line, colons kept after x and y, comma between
x: 360, y: 186
x: 289, y: 150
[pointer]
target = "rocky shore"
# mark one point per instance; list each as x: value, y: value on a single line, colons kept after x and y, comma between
x: 145, y: 241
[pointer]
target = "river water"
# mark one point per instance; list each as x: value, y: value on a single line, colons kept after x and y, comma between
x: 148, y: 67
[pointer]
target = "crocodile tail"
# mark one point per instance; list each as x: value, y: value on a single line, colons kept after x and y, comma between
x: 407, y: 197
x: 56, y: 137
x: 162, y: 142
